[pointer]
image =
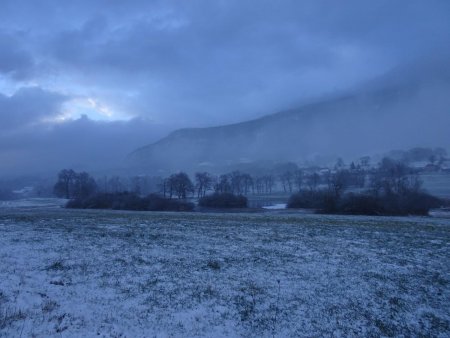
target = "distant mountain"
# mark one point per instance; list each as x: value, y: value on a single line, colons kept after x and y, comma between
x: 400, y: 110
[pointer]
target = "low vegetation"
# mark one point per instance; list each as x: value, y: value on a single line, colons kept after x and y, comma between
x: 223, y: 200
x: 391, y: 187
x: 130, y: 201
x: 126, y: 274
x: 366, y: 203
x: 394, y: 190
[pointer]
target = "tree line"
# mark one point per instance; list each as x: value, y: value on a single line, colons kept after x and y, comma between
x: 391, y: 188
x: 287, y: 178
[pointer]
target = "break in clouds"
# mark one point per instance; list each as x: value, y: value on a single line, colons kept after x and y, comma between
x: 85, y: 83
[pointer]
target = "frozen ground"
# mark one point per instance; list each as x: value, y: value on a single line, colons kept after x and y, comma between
x: 69, y: 273
x: 277, y: 206
x: 33, y: 203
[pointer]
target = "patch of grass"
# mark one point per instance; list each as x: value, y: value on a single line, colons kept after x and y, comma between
x: 8, y: 316
x: 56, y: 266
x: 3, y: 297
x: 59, y: 325
x: 246, y: 302
x: 431, y: 322
x: 386, y: 329
x: 180, y: 274
x: 213, y: 265
x: 49, y: 306
x: 139, y: 260
x: 57, y: 282
x: 148, y: 285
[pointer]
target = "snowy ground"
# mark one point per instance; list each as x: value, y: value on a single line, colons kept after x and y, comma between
x: 33, y: 203
x: 73, y: 273
x: 277, y: 206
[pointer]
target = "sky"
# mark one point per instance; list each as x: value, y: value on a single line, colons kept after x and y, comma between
x: 88, y: 81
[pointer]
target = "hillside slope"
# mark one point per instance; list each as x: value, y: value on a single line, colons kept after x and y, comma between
x: 400, y: 110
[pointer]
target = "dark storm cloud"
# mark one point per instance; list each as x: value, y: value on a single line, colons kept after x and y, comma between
x: 184, y: 59
x: 28, y: 106
x: 14, y: 60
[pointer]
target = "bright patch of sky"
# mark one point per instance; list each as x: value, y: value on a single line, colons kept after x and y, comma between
x: 8, y: 87
x: 91, y: 108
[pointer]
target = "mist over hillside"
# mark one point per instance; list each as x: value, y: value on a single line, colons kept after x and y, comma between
x: 406, y: 108
x: 96, y: 86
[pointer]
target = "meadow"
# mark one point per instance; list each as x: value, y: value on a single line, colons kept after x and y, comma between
x: 73, y: 273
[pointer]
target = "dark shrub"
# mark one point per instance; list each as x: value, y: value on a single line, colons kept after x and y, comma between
x: 177, y: 205
x: 330, y: 203
x: 223, y: 200
x: 157, y: 203
x: 408, y: 202
x: 360, y: 204
x: 98, y: 201
x: 308, y: 200
x: 130, y: 201
x: 75, y: 204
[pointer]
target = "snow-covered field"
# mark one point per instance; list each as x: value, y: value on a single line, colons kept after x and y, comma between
x: 73, y: 273
x: 33, y: 203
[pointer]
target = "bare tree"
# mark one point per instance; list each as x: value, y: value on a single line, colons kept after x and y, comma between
x: 298, y: 179
x: 223, y: 184
x: 136, y: 184
x: 84, y: 185
x: 259, y: 183
x: 74, y: 185
x: 180, y: 184
x: 287, y: 181
x: 247, y: 182
x: 313, y: 181
x: 269, y: 182
x: 115, y: 184
x: 64, y: 185
x: 165, y: 188
x: 338, y: 182
x: 236, y: 181
x: 393, y: 177
x: 203, y: 182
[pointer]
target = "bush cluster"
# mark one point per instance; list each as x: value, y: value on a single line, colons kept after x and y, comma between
x: 307, y: 199
x: 223, y: 200
x: 367, y: 203
x: 411, y: 203
x: 130, y: 201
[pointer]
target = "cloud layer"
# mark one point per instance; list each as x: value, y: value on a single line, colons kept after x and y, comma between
x: 195, y: 63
